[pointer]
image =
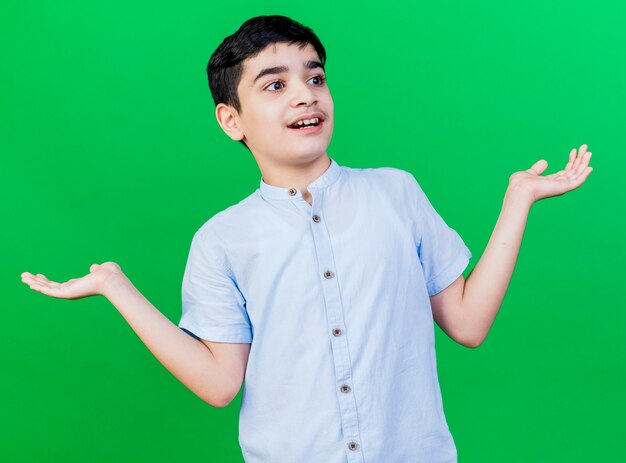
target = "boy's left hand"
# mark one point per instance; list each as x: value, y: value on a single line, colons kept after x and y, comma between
x: 537, y: 187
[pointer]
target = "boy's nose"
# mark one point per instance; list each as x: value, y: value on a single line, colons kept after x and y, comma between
x: 303, y: 93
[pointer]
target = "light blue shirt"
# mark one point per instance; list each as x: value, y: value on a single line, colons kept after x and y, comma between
x: 334, y: 298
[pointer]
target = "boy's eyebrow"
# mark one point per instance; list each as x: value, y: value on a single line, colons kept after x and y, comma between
x: 311, y: 64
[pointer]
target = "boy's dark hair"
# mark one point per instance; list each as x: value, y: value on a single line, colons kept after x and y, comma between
x: 225, y: 65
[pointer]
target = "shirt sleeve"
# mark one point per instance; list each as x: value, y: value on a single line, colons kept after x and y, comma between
x: 213, y: 308
x: 441, y: 251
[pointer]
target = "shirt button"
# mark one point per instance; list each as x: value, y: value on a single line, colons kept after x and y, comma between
x: 328, y: 274
x: 353, y: 445
x: 292, y: 191
x: 316, y: 218
x: 345, y: 388
x: 337, y: 331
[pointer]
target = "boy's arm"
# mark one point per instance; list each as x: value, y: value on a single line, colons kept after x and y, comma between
x: 214, y: 376
x: 465, y: 310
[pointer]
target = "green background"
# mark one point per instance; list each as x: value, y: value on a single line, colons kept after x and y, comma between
x: 110, y: 151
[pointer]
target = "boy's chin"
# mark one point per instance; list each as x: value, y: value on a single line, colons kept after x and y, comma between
x: 305, y: 143
x: 305, y: 152
x: 311, y: 155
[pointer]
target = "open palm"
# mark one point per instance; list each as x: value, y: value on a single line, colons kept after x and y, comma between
x: 76, y: 288
x: 571, y: 177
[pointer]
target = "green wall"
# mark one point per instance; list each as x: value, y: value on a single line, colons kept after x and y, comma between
x: 110, y: 150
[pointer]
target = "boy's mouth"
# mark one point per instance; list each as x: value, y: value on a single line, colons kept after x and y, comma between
x: 307, y: 128
x: 313, y: 122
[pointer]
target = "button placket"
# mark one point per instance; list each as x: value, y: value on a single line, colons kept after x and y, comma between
x: 339, y: 344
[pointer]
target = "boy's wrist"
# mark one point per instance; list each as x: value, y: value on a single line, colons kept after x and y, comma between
x: 519, y: 195
x: 113, y: 281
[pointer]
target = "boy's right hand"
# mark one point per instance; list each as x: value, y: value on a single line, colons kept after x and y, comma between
x: 92, y: 284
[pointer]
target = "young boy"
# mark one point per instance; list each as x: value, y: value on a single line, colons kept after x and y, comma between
x: 318, y: 290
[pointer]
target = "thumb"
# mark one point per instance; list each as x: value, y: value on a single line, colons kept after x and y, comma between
x: 538, y: 167
x: 94, y: 267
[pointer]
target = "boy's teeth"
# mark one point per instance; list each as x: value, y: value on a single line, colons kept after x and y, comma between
x: 308, y: 121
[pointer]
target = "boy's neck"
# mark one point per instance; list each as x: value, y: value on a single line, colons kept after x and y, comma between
x: 295, y: 176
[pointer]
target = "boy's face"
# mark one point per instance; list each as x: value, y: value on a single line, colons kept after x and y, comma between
x: 272, y: 100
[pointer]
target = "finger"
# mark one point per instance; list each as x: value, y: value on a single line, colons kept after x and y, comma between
x: 43, y: 285
x: 583, y: 163
x: 538, y: 167
x: 572, y: 157
x: 40, y: 283
x: 580, y: 179
x: 47, y: 290
x: 42, y: 280
x: 574, y: 169
x: 29, y: 278
x: 556, y: 174
x: 33, y: 283
x: 581, y: 151
x: 576, y: 161
x: 40, y: 277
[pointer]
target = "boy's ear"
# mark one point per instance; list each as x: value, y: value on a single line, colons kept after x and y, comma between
x: 228, y: 120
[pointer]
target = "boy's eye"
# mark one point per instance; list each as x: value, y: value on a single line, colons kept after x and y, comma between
x: 271, y: 86
x: 320, y: 79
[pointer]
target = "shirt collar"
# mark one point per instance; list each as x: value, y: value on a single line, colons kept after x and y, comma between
x: 274, y: 192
